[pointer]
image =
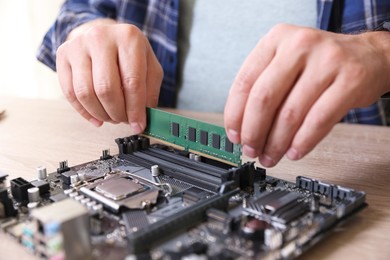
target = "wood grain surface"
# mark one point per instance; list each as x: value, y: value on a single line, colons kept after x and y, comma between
x: 44, y: 132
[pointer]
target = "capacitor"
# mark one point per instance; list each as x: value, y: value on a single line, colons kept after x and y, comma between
x: 155, y: 170
x: 42, y: 173
x: 33, y: 194
x: 253, y: 229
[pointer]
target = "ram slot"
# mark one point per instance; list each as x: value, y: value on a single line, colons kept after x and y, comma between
x: 182, y: 173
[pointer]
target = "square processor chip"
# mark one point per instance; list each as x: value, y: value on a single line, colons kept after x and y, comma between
x: 120, y: 188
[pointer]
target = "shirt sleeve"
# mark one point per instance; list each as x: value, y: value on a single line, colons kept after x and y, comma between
x: 72, y: 14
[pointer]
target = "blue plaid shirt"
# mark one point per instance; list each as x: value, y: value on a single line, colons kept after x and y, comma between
x: 159, y: 21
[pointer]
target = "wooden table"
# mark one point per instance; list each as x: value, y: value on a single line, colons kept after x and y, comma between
x: 43, y: 132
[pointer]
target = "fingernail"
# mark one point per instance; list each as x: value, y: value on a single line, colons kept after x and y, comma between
x: 293, y: 154
x: 249, y: 151
x: 234, y: 137
x: 136, y: 128
x: 95, y: 122
x: 266, y: 161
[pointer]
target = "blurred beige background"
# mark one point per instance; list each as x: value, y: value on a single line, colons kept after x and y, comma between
x: 23, y: 24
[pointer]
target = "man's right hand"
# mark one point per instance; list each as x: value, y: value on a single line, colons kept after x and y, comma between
x: 109, y: 73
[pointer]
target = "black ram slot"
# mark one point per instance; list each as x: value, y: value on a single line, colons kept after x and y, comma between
x: 181, y: 168
x: 184, y: 161
x: 186, y: 175
x: 162, y: 163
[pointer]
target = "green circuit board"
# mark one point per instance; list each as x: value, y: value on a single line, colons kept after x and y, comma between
x: 192, y: 135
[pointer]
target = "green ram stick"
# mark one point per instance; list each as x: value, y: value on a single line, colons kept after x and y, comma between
x: 192, y: 135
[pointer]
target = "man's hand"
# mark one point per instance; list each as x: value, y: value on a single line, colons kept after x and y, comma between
x: 297, y: 83
x: 108, y: 72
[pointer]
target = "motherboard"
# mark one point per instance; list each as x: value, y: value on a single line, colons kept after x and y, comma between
x: 155, y: 201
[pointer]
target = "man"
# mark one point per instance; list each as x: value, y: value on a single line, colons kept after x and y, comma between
x: 110, y: 71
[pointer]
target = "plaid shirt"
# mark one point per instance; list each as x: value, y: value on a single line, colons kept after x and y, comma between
x: 159, y: 21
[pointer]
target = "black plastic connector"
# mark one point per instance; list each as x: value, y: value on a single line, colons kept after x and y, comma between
x: 19, y: 187
x: 65, y: 176
x: 105, y: 155
x: 130, y: 144
x: 43, y: 186
x: 63, y: 167
x: 9, y: 209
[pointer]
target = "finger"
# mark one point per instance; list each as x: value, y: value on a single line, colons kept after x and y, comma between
x: 132, y: 60
x: 107, y: 83
x: 64, y: 72
x: 324, y: 114
x: 290, y: 116
x: 265, y: 98
x: 253, y: 66
x: 83, y: 87
x: 153, y: 79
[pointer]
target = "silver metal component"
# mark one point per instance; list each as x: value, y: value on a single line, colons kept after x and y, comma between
x: 118, y: 189
x: 146, y: 203
x: 198, y: 158
x: 33, y: 194
x: 81, y: 176
x: 169, y: 187
x: 314, y: 204
x: 42, y: 173
x: 245, y: 202
x: 129, y: 195
x: 73, y: 195
x: 91, y: 204
x: 32, y: 205
x: 97, y: 209
x: 155, y: 170
x: 273, y: 238
x: 158, y: 183
x: 68, y: 191
x: 74, y: 179
x: 79, y: 198
x: 100, y: 198
x: 192, y: 156
x: 85, y: 201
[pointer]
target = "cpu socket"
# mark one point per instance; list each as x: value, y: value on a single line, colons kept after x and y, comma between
x: 122, y: 191
x: 119, y: 188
